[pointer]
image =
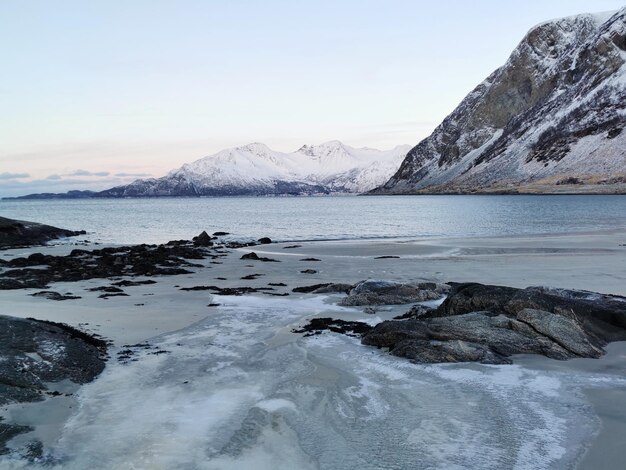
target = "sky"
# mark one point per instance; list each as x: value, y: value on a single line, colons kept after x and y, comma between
x: 98, y: 93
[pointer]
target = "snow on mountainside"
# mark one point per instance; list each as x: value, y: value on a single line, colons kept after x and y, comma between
x: 255, y: 169
x: 549, y: 120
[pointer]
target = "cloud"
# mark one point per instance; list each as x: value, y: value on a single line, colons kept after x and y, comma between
x: 13, y: 176
x: 57, y: 184
x: 132, y: 175
x: 88, y: 173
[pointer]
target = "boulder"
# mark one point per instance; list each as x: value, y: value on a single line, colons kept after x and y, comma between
x: 204, y: 239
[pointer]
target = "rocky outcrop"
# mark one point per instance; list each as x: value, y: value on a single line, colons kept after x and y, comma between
x: 35, y: 355
x: 549, y: 120
x: 377, y: 292
x: 19, y: 233
x: 39, y: 270
x: 488, y: 324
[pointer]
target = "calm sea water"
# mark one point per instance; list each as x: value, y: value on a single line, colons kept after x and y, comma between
x: 321, y: 218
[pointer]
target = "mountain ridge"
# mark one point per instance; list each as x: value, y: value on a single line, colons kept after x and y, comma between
x: 549, y: 120
x: 256, y: 170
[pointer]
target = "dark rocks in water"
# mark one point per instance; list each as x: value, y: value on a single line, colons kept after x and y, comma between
x: 36, y: 353
x: 115, y: 294
x: 18, y: 233
x: 387, y: 257
x: 264, y: 240
x: 277, y: 284
x: 126, y: 283
x: 375, y: 292
x: 326, y: 288
x: 52, y: 295
x: 227, y: 290
x: 291, y: 247
x: 488, y: 324
x: 253, y: 256
x: 220, y: 234
x: 310, y: 259
x: 204, y: 239
x: 318, y: 325
x: 139, y: 260
x: 309, y: 271
x: 109, y: 289
x: 250, y: 277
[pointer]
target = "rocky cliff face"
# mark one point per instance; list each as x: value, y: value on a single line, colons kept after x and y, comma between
x: 549, y: 120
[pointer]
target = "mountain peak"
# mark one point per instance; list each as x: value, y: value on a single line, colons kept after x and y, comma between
x: 256, y: 148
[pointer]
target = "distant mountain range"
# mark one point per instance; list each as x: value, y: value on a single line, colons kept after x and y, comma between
x: 549, y: 120
x: 257, y: 170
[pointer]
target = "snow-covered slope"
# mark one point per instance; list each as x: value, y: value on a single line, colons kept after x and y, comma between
x: 549, y: 120
x: 255, y: 169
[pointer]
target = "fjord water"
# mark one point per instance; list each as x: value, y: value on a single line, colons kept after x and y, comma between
x: 322, y: 218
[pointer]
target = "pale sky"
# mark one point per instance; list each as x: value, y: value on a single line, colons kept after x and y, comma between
x: 97, y: 93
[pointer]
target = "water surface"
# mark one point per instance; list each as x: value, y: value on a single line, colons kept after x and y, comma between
x: 322, y: 218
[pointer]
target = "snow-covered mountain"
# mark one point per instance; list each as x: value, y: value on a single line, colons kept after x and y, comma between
x: 549, y: 120
x: 255, y: 169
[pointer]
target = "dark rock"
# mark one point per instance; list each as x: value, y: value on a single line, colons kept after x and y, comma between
x: 309, y: 271
x: 18, y: 233
x: 416, y: 311
x: 491, y: 323
x: 126, y: 283
x: 277, y: 284
x: 117, y: 294
x: 203, y: 240
x: 253, y: 256
x: 220, y: 234
x: 227, y: 290
x: 326, y: 288
x: 110, y: 289
x: 290, y: 247
x: 387, y: 257
x: 310, y: 259
x: 36, y: 353
x: 264, y: 241
x: 251, y: 277
x: 51, y: 295
x: 144, y: 260
x: 350, y: 328
x: 375, y: 292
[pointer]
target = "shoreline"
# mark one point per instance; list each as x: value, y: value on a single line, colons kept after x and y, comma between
x: 592, y: 261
